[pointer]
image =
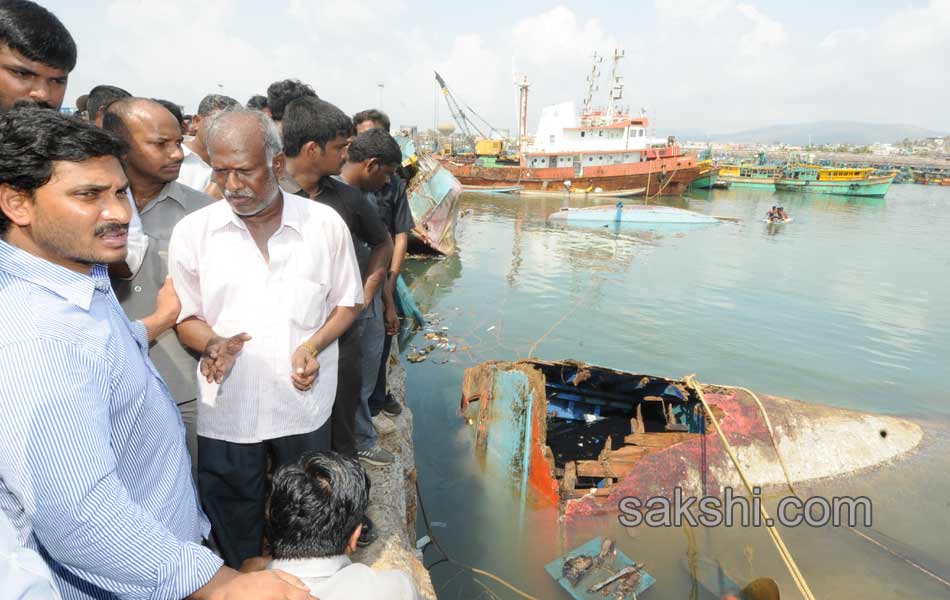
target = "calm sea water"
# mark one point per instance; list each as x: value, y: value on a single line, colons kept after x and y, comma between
x: 848, y: 306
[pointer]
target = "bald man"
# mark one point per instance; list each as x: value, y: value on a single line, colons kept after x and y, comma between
x: 151, y: 164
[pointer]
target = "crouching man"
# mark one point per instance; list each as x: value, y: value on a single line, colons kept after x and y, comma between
x: 314, y: 519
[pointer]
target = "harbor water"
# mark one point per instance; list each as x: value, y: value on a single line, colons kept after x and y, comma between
x: 846, y: 306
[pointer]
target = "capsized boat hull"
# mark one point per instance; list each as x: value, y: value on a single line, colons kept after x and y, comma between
x: 872, y: 186
x: 634, y: 213
x: 434, y: 196
x: 642, y: 436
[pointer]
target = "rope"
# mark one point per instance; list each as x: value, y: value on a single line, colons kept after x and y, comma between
x: 881, y: 545
x: 448, y: 559
x: 783, y: 551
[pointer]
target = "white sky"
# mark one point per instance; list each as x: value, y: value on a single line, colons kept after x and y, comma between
x: 714, y: 65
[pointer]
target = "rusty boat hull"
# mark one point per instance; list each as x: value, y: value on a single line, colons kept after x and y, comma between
x: 585, y: 437
x: 663, y: 175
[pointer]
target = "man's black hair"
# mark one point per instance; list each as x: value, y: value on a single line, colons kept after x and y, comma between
x: 282, y: 93
x: 101, y: 96
x: 375, y: 143
x: 214, y: 102
x: 257, y: 102
x: 32, y: 139
x: 315, y: 506
x: 174, y: 109
x: 37, y: 34
x: 376, y: 116
x: 310, y: 119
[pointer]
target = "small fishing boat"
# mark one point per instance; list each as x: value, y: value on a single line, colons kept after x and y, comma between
x: 749, y: 175
x: 584, y: 437
x: 721, y: 184
x: 777, y: 221
x: 832, y: 180
x: 489, y: 189
x: 634, y: 213
x: 708, y: 175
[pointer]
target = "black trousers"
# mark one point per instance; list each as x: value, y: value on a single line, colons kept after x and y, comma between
x: 378, y: 398
x: 233, y: 483
x: 347, y: 400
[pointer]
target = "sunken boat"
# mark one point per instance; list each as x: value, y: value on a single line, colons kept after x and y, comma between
x: 434, y: 195
x: 585, y: 437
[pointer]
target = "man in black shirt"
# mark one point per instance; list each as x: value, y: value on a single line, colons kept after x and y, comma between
x: 316, y: 134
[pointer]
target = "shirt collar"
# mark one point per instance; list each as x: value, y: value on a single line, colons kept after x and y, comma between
x: 71, y: 286
x: 172, y: 190
x: 312, y: 567
x: 291, y: 216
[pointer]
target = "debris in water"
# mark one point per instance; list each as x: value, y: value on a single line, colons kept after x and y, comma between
x: 490, y: 328
x: 576, y: 568
x: 621, y: 574
x: 416, y: 357
x: 607, y: 552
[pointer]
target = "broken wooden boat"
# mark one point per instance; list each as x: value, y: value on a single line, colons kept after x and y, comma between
x: 586, y: 437
x: 434, y: 195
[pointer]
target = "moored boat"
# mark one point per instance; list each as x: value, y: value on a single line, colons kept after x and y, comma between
x: 829, y: 180
x: 489, y: 189
x: 749, y: 175
x: 708, y: 175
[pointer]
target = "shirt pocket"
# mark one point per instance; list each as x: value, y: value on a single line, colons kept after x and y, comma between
x: 308, y: 299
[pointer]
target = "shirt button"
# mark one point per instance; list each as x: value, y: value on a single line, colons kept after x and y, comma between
x: 138, y: 288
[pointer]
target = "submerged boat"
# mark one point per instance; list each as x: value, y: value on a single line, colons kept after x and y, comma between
x: 489, y: 189
x: 585, y: 437
x: 635, y: 213
x: 433, y: 195
x: 593, y: 151
x: 832, y: 180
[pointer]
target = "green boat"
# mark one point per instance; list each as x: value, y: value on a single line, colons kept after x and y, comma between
x: 708, y: 174
x: 832, y: 180
x: 750, y: 175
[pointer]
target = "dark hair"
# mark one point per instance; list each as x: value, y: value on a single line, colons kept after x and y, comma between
x: 257, y: 102
x: 310, y: 119
x: 375, y: 143
x: 213, y: 102
x: 315, y: 506
x: 376, y: 116
x: 174, y: 109
x: 101, y: 96
x: 282, y: 93
x: 37, y: 34
x: 32, y: 139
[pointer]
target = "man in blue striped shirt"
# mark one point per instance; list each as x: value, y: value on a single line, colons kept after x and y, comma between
x: 94, y: 473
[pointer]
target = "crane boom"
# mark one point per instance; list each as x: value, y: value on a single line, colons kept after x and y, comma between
x: 458, y: 115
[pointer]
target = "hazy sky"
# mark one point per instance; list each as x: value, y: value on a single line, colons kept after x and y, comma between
x: 716, y: 65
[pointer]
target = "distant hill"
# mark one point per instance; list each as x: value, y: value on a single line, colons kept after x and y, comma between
x: 821, y: 132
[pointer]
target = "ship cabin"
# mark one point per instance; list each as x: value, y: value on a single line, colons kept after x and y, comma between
x: 593, y: 140
x: 749, y: 171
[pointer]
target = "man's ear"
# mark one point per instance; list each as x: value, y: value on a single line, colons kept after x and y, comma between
x: 354, y: 538
x: 372, y: 165
x: 17, y: 205
x: 279, y: 164
x: 312, y: 150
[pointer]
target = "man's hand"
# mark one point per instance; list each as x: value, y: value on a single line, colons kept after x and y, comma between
x: 263, y: 585
x: 392, y: 319
x: 219, y: 356
x: 167, y: 303
x: 305, y: 368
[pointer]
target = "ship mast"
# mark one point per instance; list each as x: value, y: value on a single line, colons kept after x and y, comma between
x: 523, y: 86
x: 616, y: 88
x: 592, y: 86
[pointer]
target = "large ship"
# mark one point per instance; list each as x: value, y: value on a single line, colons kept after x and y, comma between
x: 595, y: 152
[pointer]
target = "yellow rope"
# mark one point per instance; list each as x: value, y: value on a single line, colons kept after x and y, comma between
x: 783, y: 551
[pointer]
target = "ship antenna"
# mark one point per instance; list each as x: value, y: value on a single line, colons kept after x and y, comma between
x: 616, y: 88
x: 592, y: 86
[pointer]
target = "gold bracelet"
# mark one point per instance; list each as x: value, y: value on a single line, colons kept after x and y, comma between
x: 310, y: 348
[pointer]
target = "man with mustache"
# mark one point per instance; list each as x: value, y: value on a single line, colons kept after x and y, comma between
x: 268, y: 281
x: 37, y: 53
x: 151, y: 164
x: 95, y: 472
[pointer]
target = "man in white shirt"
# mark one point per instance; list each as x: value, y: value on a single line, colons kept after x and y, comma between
x: 196, y: 166
x: 314, y: 519
x: 267, y: 281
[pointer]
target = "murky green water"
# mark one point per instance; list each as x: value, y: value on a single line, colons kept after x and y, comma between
x: 848, y: 305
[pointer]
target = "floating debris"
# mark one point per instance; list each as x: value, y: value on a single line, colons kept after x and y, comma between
x: 490, y: 328
x: 576, y: 568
